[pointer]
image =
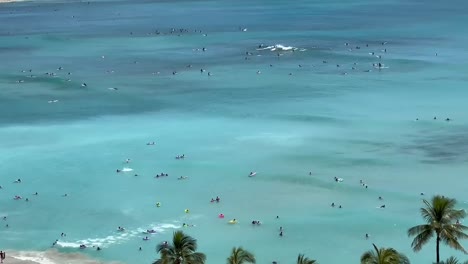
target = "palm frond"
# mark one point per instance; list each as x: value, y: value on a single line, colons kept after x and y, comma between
x: 301, y: 259
x: 423, y: 234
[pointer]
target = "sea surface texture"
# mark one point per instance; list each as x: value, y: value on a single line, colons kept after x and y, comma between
x: 291, y: 90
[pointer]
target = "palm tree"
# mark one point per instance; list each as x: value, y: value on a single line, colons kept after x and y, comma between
x: 383, y: 256
x: 442, y: 219
x: 181, y: 251
x: 452, y: 260
x: 240, y: 256
x: 303, y: 260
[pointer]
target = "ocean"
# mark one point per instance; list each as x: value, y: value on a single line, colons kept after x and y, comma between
x: 290, y: 90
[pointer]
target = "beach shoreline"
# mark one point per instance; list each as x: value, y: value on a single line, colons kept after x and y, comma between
x: 52, y: 256
x: 9, y: 1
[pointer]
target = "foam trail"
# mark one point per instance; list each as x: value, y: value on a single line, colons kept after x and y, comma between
x: 279, y: 47
x: 117, y: 239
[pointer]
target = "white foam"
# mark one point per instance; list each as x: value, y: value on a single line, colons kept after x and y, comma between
x: 117, y: 239
x: 279, y: 47
x: 127, y: 169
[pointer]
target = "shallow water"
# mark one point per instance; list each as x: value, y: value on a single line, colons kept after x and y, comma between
x: 358, y: 126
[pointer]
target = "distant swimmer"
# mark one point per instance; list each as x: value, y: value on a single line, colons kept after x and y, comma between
x: 84, y: 85
x: 150, y: 143
x: 17, y: 181
x: 113, y: 88
x: 447, y: 119
x: 252, y: 174
x: 367, y: 236
x: 127, y: 161
x: 380, y: 198
x: 182, y: 178
x: 382, y: 206
x: 65, y: 195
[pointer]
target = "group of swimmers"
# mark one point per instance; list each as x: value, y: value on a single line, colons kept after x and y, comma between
x: 161, y: 175
x: 217, y: 199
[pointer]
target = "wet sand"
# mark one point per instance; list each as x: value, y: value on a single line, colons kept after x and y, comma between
x: 49, y: 257
x: 9, y: 1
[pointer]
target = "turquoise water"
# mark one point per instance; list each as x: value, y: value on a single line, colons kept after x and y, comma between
x: 356, y: 126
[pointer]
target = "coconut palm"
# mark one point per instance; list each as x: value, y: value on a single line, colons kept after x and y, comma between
x: 442, y: 220
x: 303, y: 260
x: 182, y: 250
x: 240, y: 256
x: 452, y: 260
x: 383, y: 256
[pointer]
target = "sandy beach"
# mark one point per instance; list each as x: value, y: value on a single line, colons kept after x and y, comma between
x: 49, y: 257
x: 8, y: 1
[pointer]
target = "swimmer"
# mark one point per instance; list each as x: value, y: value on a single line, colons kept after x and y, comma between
x: 333, y: 205
x: 281, y: 229
x: 17, y: 181
x: 127, y: 161
x: 98, y: 248
x: 65, y: 195
x: 380, y: 198
x: 367, y: 236
x: 281, y: 234
x: 139, y: 249
x: 382, y: 206
x: 217, y: 199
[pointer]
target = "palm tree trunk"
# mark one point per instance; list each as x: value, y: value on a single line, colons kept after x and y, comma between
x: 437, y: 248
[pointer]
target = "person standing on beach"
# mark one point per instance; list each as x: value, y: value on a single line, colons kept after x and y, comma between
x: 2, y: 256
